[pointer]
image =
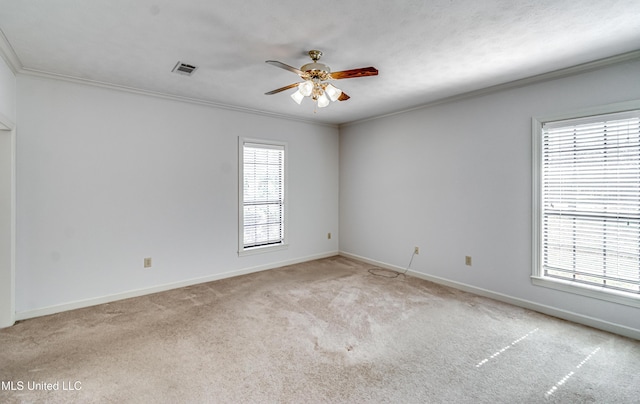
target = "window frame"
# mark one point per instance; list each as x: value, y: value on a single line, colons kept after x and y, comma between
x: 537, y: 276
x: 242, y: 250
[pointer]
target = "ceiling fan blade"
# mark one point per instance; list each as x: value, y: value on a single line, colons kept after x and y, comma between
x: 282, y: 89
x: 343, y: 97
x: 349, y: 74
x: 285, y: 66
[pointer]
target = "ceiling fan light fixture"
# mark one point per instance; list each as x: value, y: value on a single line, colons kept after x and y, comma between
x: 333, y: 92
x: 306, y: 88
x: 297, y: 97
x: 316, y: 77
x: 323, y: 100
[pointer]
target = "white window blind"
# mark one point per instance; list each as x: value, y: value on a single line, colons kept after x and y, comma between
x: 263, y: 195
x: 590, y: 197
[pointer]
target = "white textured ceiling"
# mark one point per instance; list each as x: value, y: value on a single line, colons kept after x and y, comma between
x: 424, y: 50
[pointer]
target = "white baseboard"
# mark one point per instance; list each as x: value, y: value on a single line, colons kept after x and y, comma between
x: 79, y: 304
x: 541, y: 308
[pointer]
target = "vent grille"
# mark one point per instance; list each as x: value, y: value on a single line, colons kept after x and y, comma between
x: 184, y: 68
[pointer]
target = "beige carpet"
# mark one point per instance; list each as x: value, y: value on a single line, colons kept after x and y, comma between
x: 322, y: 331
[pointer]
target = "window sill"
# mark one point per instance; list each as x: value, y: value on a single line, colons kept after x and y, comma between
x: 262, y: 249
x: 627, y: 299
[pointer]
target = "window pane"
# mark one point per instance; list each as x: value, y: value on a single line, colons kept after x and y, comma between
x: 591, y: 201
x: 263, y: 195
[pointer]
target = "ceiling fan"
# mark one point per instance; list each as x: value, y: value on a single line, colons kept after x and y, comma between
x: 316, y: 78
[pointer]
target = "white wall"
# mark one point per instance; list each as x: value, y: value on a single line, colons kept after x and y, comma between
x: 106, y: 178
x: 7, y: 91
x: 455, y: 180
x: 7, y: 197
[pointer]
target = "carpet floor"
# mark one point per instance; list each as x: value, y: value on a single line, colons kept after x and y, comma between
x: 323, y: 331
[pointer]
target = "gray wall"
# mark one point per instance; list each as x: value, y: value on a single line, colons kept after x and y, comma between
x: 7, y: 193
x: 106, y: 178
x: 455, y: 180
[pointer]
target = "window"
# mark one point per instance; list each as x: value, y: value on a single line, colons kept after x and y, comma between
x: 587, y: 203
x: 262, y: 195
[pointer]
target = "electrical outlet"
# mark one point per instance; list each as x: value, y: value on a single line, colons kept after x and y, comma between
x: 416, y: 250
x: 467, y: 260
x: 147, y: 262
x: 329, y: 236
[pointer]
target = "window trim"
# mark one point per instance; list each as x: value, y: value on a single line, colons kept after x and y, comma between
x: 537, y: 279
x: 242, y: 251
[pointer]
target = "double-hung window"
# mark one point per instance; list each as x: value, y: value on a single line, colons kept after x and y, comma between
x: 262, y: 195
x: 587, y: 203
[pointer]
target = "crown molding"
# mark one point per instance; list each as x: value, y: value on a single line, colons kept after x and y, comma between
x: 9, y: 55
x: 539, y: 78
x: 197, y: 101
x: 11, y: 58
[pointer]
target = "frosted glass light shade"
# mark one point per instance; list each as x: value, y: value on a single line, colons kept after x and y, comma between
x: 332, y: 92
x: 323, y: 101
x: 297, y: 97
x: 305, y: 88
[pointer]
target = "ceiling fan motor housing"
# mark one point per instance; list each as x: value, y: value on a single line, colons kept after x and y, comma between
x: 317, y: 70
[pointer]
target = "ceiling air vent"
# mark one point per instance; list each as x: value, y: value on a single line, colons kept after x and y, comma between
x: 184, y: 68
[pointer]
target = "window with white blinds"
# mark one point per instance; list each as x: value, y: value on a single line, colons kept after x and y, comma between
x: 262, y: 210
x: 589, y: 192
